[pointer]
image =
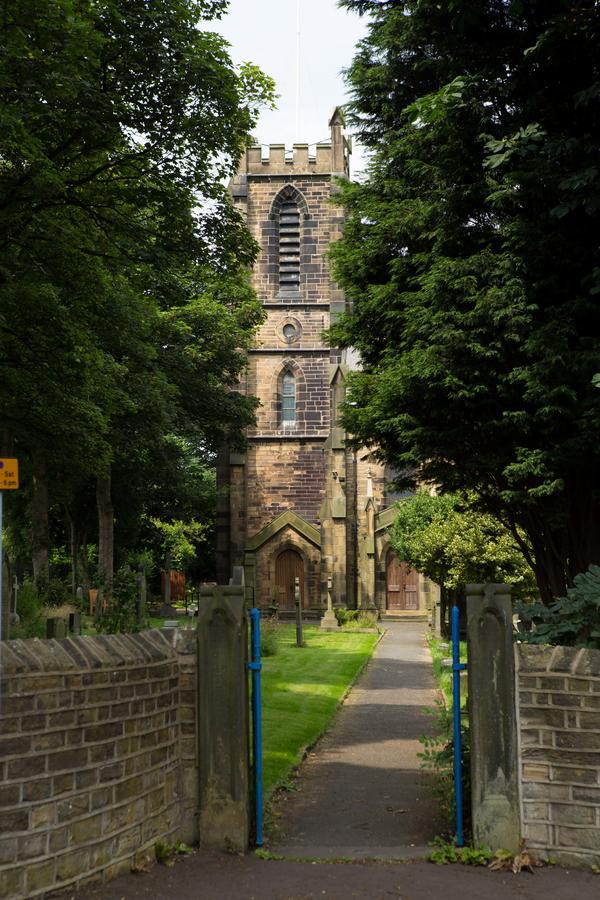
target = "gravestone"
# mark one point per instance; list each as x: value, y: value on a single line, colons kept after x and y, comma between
x: 75, y: 623
x: 492, y: 714
x: 140, y: 598
x: 223, y: 721
x: 298, y: 604
x: 56, y: 628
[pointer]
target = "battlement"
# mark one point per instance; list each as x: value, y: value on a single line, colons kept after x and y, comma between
x: 324, y: 158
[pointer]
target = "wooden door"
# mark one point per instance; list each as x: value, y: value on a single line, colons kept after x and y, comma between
x: 402, y: 585
x: 288, y: 567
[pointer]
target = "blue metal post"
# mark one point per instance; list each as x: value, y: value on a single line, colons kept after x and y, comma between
x: 457, y: 666
x: 255, y: 667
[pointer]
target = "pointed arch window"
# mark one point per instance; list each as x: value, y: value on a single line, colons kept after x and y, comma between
x: 289, y: 246
x: 288, y: 398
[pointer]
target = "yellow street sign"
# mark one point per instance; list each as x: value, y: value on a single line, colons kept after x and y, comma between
x: 9, y: 474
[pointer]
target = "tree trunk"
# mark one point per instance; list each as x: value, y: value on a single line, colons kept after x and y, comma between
x: 168, y: 565
x: 444, y: 625
x: 40, y: 537
x: 105, y: 533
x: 74, y: 543
x: 562, y: 548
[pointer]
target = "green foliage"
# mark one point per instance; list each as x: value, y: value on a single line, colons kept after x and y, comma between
x: 445, y: 852
x: 470, y: 259
x: 268, y: 637
x: 442, y: 674
x: 344, y: 616
x: 30, y: 609
x: 125, y: 300
x: 121, y: 616
x: 448, y: 539
x: 267, y: 854
x: 179, y: 541
x: 166, y: 854
x: 437, y: 758
x: 571, y: 621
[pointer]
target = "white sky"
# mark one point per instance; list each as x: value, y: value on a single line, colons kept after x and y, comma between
x: 264, y: 32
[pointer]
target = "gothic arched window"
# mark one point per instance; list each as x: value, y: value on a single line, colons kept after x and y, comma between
x: 288, y: 398
x: 289, y: 245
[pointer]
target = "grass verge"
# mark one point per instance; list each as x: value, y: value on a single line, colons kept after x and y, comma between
x: 443, y: 675
x: 302, y: 687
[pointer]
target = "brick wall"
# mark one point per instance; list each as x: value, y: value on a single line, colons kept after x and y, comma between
x: 559, y: 723
x: 97, y: 755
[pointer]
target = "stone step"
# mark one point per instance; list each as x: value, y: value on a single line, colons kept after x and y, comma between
x: 399, y: 617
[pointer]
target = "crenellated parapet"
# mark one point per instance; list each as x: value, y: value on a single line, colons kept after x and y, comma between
x: 324, y: 158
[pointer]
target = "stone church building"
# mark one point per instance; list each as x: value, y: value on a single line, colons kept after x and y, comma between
x: 300, y: 503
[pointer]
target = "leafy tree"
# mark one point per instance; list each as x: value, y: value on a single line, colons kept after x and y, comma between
x: 470, y: 256
x: 122, y: 263
x: 448, y: 540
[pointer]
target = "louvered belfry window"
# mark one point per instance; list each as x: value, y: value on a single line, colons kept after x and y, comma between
x: 289, y: 246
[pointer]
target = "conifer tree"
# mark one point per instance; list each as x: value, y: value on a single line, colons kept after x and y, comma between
x: 471, y: 257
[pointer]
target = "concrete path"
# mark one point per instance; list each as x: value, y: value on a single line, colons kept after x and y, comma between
x: 361, y: 793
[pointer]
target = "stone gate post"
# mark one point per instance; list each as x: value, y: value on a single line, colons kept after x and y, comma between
x: 223, y: 721
x: 492, y: 715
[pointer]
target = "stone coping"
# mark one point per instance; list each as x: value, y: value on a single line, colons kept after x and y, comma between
x: 93, y: 652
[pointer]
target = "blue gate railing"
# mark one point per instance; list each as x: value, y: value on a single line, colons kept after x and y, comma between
x: 457, y: 667
x: 255, y: 667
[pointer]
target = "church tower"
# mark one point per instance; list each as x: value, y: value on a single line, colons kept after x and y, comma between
x: 299, y: 503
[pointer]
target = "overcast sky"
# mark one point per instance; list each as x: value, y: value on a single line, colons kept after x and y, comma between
x: 264, y: 32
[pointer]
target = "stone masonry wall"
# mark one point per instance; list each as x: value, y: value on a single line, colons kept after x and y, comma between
x: 559, y: 722
x: 296, y: 479
x: 97, y: 756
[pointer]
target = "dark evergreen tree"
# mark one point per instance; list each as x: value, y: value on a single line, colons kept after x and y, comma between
x: 471, y: 257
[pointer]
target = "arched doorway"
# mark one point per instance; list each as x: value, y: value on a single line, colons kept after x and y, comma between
x: 288, y: 566
x: 402, y: 585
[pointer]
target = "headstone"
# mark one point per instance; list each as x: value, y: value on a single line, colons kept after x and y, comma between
x: 223, y: 721
x: 56, y: 628
x: 492, y: 714
x: 329, y: 621
x: 298, y: 603
x: 75, y: 623
x: 140, y: 600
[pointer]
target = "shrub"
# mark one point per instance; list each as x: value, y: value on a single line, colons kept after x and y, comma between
x: 268, y: 637
x: 437, y: 758
x: 572, y: 621
x: 30, y: 609
x: 344, y: 616
x: 121, y: 616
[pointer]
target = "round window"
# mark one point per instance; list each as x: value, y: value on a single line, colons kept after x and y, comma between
x: 289, y: 331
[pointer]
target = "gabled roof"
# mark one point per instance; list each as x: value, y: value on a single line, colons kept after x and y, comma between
x: 337, y: 117
x: 287, y: 519
x: 385, y: 518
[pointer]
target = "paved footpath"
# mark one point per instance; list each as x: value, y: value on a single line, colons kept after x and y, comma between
x: 361, y: 795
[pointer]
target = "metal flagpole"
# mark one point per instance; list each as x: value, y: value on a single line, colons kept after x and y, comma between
x: 297, y: 70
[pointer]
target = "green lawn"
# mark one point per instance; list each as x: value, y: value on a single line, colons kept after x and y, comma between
x: 301, y: 690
